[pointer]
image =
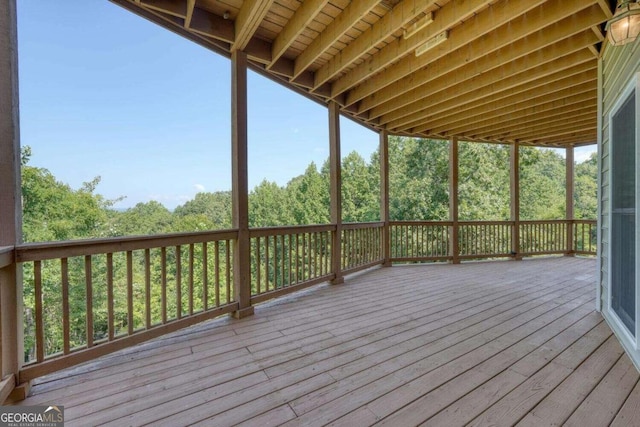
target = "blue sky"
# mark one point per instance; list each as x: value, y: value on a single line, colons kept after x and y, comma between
x: 105, y: 92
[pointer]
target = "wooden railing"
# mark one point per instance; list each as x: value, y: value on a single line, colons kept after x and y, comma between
x: 84, y: 299
x: 544, y: 237
x: 426, y: 241
x: 584, y: 237
x: 88, y: 298
x: 484, y: 239
x: 288, y: 258
x: 361, y: 246
x: 420, y: 240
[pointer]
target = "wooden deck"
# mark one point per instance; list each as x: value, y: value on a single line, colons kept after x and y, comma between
x: 491, y: 343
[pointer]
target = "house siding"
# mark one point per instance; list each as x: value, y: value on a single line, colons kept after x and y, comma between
x: 619, y: 64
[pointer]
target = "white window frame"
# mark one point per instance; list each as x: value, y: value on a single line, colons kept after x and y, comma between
x: 632, y: 341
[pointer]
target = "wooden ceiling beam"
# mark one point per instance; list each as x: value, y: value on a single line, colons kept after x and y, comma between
x: 532, y: 116
x: 477, y: 28
x: 191, y: 4
x: 174, y: 8
x: 402, y: 14
x: 455, y: 124
x: 557, y: 50
x: 210, y: 25
x: 563, y: 119
x: 332, y: 33
x: 515, y: 74
x: 301, y: 19
x: 248, y: 20
x: 449, y: 15
x: 606, y: 8
x: 577, y: 140
x: 474, y: 59
x: 541, y: 133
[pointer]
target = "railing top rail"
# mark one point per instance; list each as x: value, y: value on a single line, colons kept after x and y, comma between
x: 476, y: 222
x: 416, y: 222
x: 292, y: 229
x: 585, y: 221
x: 546, y: 221
x: 7, y: 256
x: 359, y: 225
x: 51, y: 250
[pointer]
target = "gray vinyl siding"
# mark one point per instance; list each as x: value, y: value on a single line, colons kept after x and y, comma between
x: 619, y: 65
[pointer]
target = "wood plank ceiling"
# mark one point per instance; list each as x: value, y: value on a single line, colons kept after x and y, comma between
x: 481, y: 70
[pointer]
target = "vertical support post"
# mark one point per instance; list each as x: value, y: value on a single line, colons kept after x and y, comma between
x: 11, y: 339
x: 240, y: 185
x: 514, y: 174
x: 335, y: 178
x: 569, y: 212
x: 384, y: 198
x: 454, y: 167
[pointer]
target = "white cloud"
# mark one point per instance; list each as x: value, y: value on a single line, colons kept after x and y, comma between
x: 583, y: 153
x: 199, y: 187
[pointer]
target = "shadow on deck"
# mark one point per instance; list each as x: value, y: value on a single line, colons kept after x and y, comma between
x: 483, y: 343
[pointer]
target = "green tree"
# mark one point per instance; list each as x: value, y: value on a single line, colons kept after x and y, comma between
x: 586, y: 187
x: 52, y: 210
x: 215, y: 207
x: 360, y: 190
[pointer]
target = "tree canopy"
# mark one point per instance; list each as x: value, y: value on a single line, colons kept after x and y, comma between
x: 419, y: 190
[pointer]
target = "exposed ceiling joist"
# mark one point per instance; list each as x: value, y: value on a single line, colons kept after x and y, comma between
x: 347, y: 19
x: 403, y: 13
x: 300, y: 20
x: 248, y: 20
x: 446, y: 17
x: 529, y: 33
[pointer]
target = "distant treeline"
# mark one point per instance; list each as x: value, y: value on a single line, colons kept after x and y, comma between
x: 419, y: 190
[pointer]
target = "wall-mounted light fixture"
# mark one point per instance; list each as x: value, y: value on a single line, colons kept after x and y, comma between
x: 624, y: 26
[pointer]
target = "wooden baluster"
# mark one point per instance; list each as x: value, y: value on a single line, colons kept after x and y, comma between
x: 216, y: 265
x: 89, y: 295
x: 147, y: 288
x: 178, y: 282
x: 267, y: 264
x: 284, y: 260
x: 110, y: 322
x: 228, y: 271
x: 205, y: 276
x: 37, y: 278
x: 66, y: 340
x: 258, y: 267
x: 191, y: 271
x: 130, y: 292
x: 163, y: 284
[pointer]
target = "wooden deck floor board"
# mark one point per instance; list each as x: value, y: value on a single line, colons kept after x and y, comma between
x: 488, y: 378
x: 495, y: 341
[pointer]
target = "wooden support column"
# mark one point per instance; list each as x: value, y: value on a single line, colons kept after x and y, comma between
x: 11, y: 342
x: 384, y: 198
x: 335, y: 178
x: 240, y: 185
x: 569, y: 212
x: 454, y: 167
x: 514, y: 173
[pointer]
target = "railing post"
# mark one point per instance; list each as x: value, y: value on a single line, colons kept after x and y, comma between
x: 514, y: 173
x: 384, y: 198
x: 240, y: 185
x: 11, y: 338
x: 569, y: 163
x: 453, y: 200
x: 335, y: 178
